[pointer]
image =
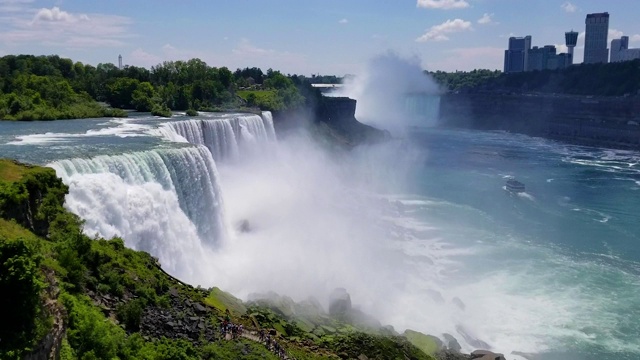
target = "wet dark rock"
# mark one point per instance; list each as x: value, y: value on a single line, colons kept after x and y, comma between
x: 446, y: 354
x: 339, y: 303
x: 486, y: 355
x: 456, y: 301
x: 472, y: 340
x: 244, y: 226
x: 451, y: 343
x: 435, y: 295
x: 180, y: 321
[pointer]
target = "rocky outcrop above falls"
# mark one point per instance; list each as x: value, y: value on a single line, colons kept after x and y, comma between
x: 338, y: 115
x: 333, y: 118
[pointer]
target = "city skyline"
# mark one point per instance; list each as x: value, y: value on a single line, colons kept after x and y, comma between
x: 304, y: 37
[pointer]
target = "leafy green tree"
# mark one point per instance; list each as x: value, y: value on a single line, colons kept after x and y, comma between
x: 20, y: 286
x: 251, y: 100
x: 144, y: 97
x: 89, y: 333
x: 275, y: 80
x: 120, y: 92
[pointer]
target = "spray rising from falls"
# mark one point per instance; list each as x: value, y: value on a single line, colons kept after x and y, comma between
x: 229, y: 138
x: 166, y: 202
x: 393, y: 93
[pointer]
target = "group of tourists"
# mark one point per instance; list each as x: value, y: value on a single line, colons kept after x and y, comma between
x: 271, y: 344
x: 234, y: 330
x: 229, y: 331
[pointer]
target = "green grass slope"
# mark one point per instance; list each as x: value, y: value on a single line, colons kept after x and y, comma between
x: 97, y: 299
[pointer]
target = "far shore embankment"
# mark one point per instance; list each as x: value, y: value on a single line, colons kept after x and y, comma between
x: 586, y: 120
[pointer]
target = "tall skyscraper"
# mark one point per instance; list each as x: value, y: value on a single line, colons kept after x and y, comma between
x: 516, y: 58
x: 595, y: 39
x: 120, y: 62
x: 570, y: 39
x: 617, y: 48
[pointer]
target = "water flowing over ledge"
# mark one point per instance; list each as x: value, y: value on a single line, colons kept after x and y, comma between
x: 228, y: 139
x: 164, y: 201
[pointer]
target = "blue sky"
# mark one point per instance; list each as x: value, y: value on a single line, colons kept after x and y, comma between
x: 299, y: 36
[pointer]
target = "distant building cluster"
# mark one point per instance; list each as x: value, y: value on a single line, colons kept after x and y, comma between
x: 521, y: 56
x: 620, y: 50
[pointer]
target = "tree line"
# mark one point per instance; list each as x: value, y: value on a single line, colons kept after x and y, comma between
x: 51, y: 87
x: 611, y: 79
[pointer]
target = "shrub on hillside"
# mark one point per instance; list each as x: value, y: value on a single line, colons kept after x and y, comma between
x: 20, y: 286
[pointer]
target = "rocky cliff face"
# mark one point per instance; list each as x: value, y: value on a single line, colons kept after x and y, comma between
x: 339, y: 114
x: 597, y: 121
x: 48, y: 348
x: 23, y: 200
x: 334, y: 119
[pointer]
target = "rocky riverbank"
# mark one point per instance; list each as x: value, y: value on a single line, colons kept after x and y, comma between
x: 78, y: 297
x: 586, y: 120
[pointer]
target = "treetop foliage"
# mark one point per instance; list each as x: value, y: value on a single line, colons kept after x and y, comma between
x: 611, y: 79
x: 50, y: 87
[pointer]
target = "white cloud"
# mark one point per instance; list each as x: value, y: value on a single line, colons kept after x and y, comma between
x: 139, y: 57
x: 485, y: 19
x: 561, y: 48
x: 438, y: 32
x: 443, y: 4
x: 634, y: 38
x: 569, y: 7
x: 486, y: 57
x: 13, y: 6
x: 343, y: 21
x: 59, y: 28
x: 245, y: 47
x: 55, y: 14
x: 246, y: 53
x: 615, y: 34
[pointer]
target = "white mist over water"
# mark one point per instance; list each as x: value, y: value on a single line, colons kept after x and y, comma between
x: 318, y: 220
x: 385, y: 89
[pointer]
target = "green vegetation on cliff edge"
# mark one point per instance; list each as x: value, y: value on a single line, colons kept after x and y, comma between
x: 97, y: 299
x: 611, y: 79
x: 50, y: 87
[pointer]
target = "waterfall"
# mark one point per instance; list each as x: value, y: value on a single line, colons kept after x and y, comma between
x: 165, y: 201
x: 229, y: 138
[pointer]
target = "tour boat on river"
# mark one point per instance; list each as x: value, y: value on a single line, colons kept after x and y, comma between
x: 514, y: 186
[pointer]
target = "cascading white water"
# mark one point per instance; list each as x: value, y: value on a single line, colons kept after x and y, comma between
x: 227, y: 138
x: 151, y: 199
x: 267, y: 118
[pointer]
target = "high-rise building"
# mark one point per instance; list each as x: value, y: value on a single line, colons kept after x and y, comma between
x: 570, y: 39
x: 516, y: 58
x: 595, y: 40
x: 620, y: 50
x: 617, y: 48
x: 546, y: 58
x: 539, y: 57
x: 120, y: 62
